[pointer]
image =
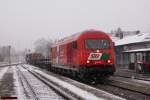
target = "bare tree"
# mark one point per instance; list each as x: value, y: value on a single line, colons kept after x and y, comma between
x: 43, y: 46
x: 119, y: 33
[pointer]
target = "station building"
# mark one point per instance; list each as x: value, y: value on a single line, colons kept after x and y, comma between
x: 133, y: 51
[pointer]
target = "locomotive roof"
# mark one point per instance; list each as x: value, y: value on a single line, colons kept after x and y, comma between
x: 75, y: 37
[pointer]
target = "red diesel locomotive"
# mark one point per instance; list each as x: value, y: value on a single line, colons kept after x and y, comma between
x: 89, y: 54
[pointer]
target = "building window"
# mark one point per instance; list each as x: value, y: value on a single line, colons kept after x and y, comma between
x: 132, y: 57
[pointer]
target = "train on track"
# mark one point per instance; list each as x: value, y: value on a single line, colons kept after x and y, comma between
x: 87, y: 55
x: 38, y: 59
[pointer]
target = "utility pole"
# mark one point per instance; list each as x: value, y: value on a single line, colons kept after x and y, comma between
x: 9, y: 47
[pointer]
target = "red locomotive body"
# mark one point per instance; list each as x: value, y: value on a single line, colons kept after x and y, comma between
x: 89, y: 53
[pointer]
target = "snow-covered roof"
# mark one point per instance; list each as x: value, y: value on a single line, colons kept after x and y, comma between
x: 138, y: 50
x: 133, y: 39
x: 114, y: 38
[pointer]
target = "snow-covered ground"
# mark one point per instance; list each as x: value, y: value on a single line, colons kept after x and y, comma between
x: 68, y: 84
x: 3, y: 63
x: 3, y: 71
x: 18, y: 87
x: 20, y: 91
x: 41, y: 90
x: 6, y: 82
x: 82, y: 93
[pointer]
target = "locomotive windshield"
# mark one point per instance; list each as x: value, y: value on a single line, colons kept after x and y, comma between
x: 96, y: 44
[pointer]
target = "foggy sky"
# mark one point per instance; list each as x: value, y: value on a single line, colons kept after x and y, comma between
x: 24, y: 21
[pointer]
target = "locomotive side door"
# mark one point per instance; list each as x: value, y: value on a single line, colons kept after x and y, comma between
x: 57, y: 55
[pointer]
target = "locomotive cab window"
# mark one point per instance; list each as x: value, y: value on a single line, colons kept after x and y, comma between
x: 105, y: 44
x: 74, y: 44
x: 96, y: 44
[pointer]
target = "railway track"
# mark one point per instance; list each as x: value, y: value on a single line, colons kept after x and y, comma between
x: 131, y: 84
x: 125, y: 89
x: 77, y: 90
x: 120, y: 88
x: 13, y: 64
x: 37, y: 89
x: 132, y: 74
x: 134, y: 77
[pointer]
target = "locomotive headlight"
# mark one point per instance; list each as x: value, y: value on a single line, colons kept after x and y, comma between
x: 109, y: 61
x: 97, y: 51
x: 87, y: 61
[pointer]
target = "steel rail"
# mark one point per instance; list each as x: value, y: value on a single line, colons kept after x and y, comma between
x: 56, y: 88
x: 29, y: 85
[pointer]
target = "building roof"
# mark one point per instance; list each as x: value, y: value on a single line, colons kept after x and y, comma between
x: 142, y: 37
x: 114, y: 38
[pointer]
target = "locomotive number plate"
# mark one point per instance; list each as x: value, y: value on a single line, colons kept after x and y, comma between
x: 94, y: 56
